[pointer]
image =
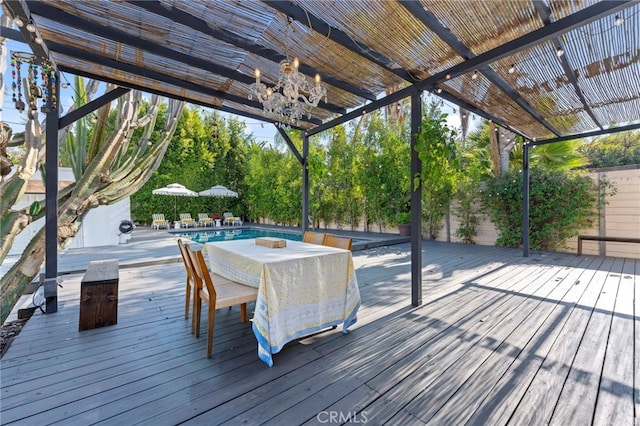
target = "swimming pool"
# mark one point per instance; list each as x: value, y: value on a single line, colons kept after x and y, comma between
x: 210, y: 236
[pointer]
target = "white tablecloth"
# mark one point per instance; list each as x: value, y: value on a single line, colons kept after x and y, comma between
x: 302, y: 288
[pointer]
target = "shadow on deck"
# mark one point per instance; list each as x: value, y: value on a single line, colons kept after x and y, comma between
x: 500, y: 338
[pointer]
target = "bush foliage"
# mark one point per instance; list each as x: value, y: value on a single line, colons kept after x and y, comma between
x: 559, y: 205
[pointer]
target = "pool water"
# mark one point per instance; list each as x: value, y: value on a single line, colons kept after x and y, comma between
x: 211, y: 236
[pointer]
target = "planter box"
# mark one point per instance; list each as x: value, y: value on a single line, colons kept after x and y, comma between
x: 404, y: 229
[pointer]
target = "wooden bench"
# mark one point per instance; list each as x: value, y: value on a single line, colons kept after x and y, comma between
x: 598, y: 238
x: 99, y: 295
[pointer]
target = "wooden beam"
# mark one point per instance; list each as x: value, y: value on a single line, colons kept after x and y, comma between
x: 177, y: 15
x: 416, y: 204
x: 545, y: 15
x: 588, y: 134
x: 132, y: 69
x: 50, y: 180
x: 290, y: 144
x: 314, y: 23
x: 120, y: 36
x: 180, y: 98
x: 19, y: 8
x: 84, y: 110
x: 431, y: 22
x: 541, y: 35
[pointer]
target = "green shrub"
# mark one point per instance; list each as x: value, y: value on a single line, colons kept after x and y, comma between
x: 560, y: 204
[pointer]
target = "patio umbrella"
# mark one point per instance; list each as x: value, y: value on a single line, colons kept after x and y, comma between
x: 218, y: 191
x: 176, y: 190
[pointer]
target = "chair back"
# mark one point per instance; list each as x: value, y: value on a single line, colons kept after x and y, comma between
x: 203, y: 216
x: 314, y: 237
x: 158, y: 216
x: 227, y: 214
x: 186, y: 259
x: 185, y: 216
x: 339, y: 242
x: 201, y: 272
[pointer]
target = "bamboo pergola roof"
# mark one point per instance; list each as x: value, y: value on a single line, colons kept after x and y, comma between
x: 205, y: 52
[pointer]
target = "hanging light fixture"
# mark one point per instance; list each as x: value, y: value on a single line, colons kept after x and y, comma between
x: 293, y: 95
x: 30, y: 26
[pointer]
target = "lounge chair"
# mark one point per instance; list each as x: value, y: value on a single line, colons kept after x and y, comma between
x: 204, y: 220
x: 339, y: 242
x: 186, y: 220
x: 314, y: 237
x: 217, y: 292
x: 230, y: 219
x: 159, y: 221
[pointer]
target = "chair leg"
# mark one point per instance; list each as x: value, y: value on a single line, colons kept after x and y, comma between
x: 187, y: 300
x: 243, y: 312
x: 210, y: 324
x: 197, y: 316
x: 196, y: 298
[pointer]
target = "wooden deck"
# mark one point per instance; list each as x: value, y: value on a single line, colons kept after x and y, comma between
x: 500, y: 339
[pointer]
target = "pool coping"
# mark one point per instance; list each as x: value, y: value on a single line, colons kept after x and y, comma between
x: 362, y: 240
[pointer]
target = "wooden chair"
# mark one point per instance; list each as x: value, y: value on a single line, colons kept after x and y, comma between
x: 339, y: 242
x: 191, y: 285
x: 217, y: 292
x: 314, y: 237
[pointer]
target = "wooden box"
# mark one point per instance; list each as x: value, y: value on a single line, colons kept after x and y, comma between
x: 99, y: 295
x: 271, y: 242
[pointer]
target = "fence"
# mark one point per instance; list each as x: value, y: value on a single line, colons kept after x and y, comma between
x: 620, y: 217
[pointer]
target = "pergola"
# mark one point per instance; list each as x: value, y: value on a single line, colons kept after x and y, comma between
x: 547, y: 70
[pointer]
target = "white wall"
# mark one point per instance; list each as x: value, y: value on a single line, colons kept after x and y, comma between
x: 100, y: 225
x: 99, y: 228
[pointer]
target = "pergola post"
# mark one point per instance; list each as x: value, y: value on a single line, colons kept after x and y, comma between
x: 51, y: 201
x: 305, y: 182
x: 525, y: 198
x: 416, y: 203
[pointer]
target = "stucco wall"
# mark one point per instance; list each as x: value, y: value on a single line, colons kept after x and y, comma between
x: 99, y: 228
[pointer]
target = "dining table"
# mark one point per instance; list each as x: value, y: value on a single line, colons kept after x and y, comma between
x: 303, y: 288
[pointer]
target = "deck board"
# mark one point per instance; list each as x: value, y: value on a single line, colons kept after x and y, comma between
x: 529, y: 334
x: 499, y: 339
x: 615, y: 395
x: 500, y: 402
x: 540, y: 400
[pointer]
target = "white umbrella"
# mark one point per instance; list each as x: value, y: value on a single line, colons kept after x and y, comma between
x: 176, y: 190
x: 218, y: 191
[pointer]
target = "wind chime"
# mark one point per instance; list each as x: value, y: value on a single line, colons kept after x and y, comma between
x: 41, y: 83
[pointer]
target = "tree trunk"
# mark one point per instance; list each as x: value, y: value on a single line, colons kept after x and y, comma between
x: 507, y: 142
x: 464, y: 126
x: 495, y: 149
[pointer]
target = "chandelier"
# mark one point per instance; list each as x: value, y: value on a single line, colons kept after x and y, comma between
x: 291, y: 97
